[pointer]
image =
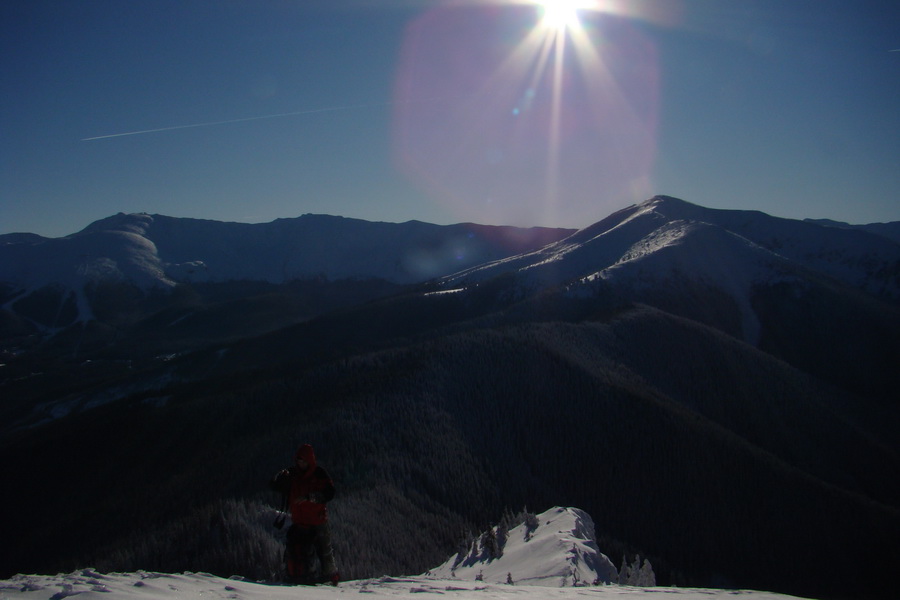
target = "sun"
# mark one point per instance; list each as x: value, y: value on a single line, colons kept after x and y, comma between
x: 560, y: 14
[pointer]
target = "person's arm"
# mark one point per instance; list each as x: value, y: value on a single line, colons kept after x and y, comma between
x: 326, y: 491
x: 281, y: 483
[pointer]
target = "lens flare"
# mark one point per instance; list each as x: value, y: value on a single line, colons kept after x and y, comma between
x: 541, y: 112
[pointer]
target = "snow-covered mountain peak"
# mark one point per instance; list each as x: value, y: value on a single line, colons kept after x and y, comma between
x: 675, y: 208
x: 595, y: 248
x: 664, y: 224
x: 556, y: 548
x: 113, y: 254
x: 686, y: 253
x: 138, y: 223
x: 670, y: 208
x: 694, y: 240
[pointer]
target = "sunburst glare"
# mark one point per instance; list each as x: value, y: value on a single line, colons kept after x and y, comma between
x: 536, y: 112
x: 560, y: 14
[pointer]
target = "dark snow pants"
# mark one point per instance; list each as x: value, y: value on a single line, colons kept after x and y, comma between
x: 305, y: 544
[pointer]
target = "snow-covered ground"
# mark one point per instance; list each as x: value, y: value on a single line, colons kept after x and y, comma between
x: 557, y: 548
x: 542, y: 558
x: 198, y: 586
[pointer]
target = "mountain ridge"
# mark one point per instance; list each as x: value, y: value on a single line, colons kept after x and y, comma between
x: 696, y: 377
x: 860, y: 259
x: 153, y: 251
x: 223, y: 250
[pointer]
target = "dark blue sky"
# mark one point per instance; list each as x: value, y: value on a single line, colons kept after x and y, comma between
x: 444, y: 112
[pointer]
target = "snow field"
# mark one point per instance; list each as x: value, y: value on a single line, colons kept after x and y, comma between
x: 90, y: 585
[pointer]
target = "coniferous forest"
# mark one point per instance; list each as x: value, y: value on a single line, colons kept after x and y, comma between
x: 146, y: 438
x: 723, y: 464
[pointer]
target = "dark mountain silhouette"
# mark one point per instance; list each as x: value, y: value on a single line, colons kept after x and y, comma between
x: 888, y: 230
x: 713, y: 387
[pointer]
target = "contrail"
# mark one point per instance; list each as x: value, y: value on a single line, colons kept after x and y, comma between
x: 211, y: 123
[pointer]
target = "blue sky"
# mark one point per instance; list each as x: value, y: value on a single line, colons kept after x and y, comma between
x: 445, y: 112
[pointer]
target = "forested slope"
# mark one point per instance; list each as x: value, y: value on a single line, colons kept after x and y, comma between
x: 677, y: 458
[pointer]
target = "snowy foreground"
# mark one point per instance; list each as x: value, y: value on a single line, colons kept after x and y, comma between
x: 543, y: 557
x: 197, y: 586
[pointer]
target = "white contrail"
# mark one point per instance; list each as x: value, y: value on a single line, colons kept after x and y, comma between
x: 208, y: 124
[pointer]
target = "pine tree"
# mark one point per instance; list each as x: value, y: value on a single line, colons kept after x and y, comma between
x: 502, y: 537
x: 646, y: 577
x: 462, y: 550
x: 625, y: 572
x: 531, y: 524
x: 489, y: 546
x: 637, y: 573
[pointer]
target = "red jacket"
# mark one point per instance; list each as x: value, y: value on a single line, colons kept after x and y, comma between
x: 308, y: 490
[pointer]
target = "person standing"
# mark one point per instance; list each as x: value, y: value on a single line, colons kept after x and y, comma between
x: 307, y: 488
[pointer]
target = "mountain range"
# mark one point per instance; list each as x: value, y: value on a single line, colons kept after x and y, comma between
x: 154, y: 251
x: 720, y: 385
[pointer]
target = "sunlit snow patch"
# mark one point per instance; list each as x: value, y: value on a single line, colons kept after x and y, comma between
x: 556, y: 549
